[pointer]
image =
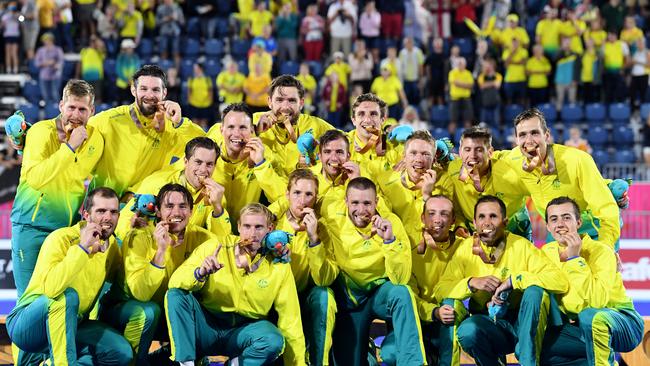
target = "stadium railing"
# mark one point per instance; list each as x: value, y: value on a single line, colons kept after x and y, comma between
x: 637, y: 172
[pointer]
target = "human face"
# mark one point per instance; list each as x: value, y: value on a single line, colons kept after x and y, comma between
x: 562, y: 221
x: 418, y: 156
x: 148, y: 91
x: 236, y: 130
x: 332, y: 155
x: 253, y: 227
x: 200, y: 166
x: 301, y: 195
x: 438, y: 216
x: 531, y: 137
x: 367, y: 115
x: 105, y: 212
x: 76, y: 110
x: 362, y: 206
x: 475, y: 152
x: 175, y: 210
x: 286, y: 101
x: 489, y: 223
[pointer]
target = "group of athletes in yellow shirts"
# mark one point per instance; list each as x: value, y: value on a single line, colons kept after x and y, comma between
x: 384, y: 223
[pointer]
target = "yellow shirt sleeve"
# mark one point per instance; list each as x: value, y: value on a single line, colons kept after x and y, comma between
x: 43, y: 160
x: 143, y: 278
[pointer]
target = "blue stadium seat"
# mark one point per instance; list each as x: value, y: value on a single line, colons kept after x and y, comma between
x: 239, y: 49
x: 554, y: 133
x: 31, y: 112
x: 439, y: 132
x: 601, y: 157
x: 145, y: 48
x: 214, y: 48
x: 33, y: 69
x: 440, y: 115
x: 511, y: 111
x: 102, y: 107
x: 212, y: 68
x: 32, y: 92
x: 191, y: 48
x: 571, y: 114
x: 457, y: 135
x: 184, y: 94
x: 597, y: 137
x: 223, y: 28
x: 619, y: 113
x: 166, y: 64
x: 243, y: 66
x: 466, y: 46
x: 645, y: 111
x: 316, y: 69
x: 187, y: 69
x: 51, y: 110
x: 549, y: 111
x: 69, y: 70
x: 625, y: 156
x: 623, y: 136
x: 595, y: 112
x: 193, y: 27
x: 289, y: 67
x: 110, y: 71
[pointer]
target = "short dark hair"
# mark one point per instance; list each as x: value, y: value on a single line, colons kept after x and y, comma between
x: 528, y: 114
x: 173, y: 187
x: 560, y: 201
x: 201, y: 142
x: 440, y: 195
x: 104, y: 192
x: 80, y: 89
x: 333, y: 135
x: 362, y: 184
x: 490, y: 198
x: 477, y: 133
x: 287, y: 81
x: 237, y: 107
x: 370, y: 97
x: 150, y: 70
x: 423, y: 135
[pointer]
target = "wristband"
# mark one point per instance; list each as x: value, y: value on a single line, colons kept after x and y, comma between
x: 219, y: 215
x: 574, y: 257
x: 260, y: 163
x: 390, y: 241
x: 157, y: 266
x: 84, y: 249
x: 70, y: 147
x: 199, y: 277
x: 311, y: 245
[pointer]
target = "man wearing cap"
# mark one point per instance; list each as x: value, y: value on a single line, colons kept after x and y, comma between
x: 513, y: 30
x: 125, y: 66
x: 49, y: 60
x: 260, y: 56
x: 340, y: 67
x: 388, y: 88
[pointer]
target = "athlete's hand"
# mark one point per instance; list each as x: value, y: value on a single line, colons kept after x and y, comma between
x: 172, y: 111
x: 429, y: 182
x: 311, y: 224
x: 462, y: 232
x: 351, y: 169
x: 89, y: 237
x: 256, y: 148
x: 445, y: 314
x: 384, y: 228
x: 77, y: 137
x: 211, y: 263
x: 215, y: 192
x: 487, y: 283
x: 505, y: 285
x: 162, y: 237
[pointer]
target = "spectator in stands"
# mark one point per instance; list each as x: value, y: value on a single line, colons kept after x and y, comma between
x: 631, y: 33
x: 107, y: 28
x: 646, y: 141
x: 49, y: 60
x: 392, y: 18
x: 389, y: 89
x: 537, y: 69
x: 259, y: 18
x: 64, y: 25
x: 566, y: 74
x: 91, y: 66
x: 461, y: 83
x: 310, y: 85
x: 340, y: 67
x: 573, y: 28
x: 392, y: 62
x: 615, y: 53
x: 489, y: 83
x: 595, y: 33
x: 547, y: 32
x: 436, y: 72
x: 441, y: 11
x: 270, y: 45
x: 11, y: 36
x: 173, y: 84
x: 454, y: 56
x: 259, y: 56
x: 312, y: 29
x: 640, y: 61
x: 590, y: 72
x: 515, y: 59
x: 576, y: 140
x: 335, y: 98
x: 147, y: 9
x: 200, y: 97
x: 46, y: 11
x: 230, y: 83
x: 587, y: 11
x: 463, y: 9
x: 411, y: 61
x: 412, y: 118
x: 369, y: 28
x: 84, y: 10
x: 286, y: 27
x: 613, y: 13
x: 131, y: 23
x: 342, y: 18
x: 256, y: 87
x: 361, y: 66
x: 206, y: 11
x: 170, y: 19
x: 513, y: 30
x: 29, y: 27
x: 127, y: 63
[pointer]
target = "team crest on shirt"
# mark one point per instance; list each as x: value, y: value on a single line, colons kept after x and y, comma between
x: 366, y: 244
x: 499, y: 195
x: 504, y: 272
x: 262, y: 283
x: 250, y: 176
x: 156, y: 143
x: 91, y: 149
x: 556, y: 184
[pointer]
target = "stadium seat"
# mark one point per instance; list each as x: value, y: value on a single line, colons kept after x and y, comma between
x: 571, y: 114
x: 102, y: 107
x: 457, y: 135
x: 214, y: 48
x: 289, y: 67
x: 440, y: 115
x: 549, y: 111
x: 239, y: 49
x: 187, y: 69
x: 191, y: 48
x: 145, y: 48
x: 223, y: 28
x: 595, y: 112
x: 645, y: 111
x: 601, y: 157
x: 243, y: 66
x: 597, y: 137
x: 624, y: 156
x: 110, y: 71
x: 439, y: 132
x: 466, y: 46
x: 316, y: 69
x: 166, y: 64
x: 212, y: 68
x: 32, y: 92
x: 193, y: 27
x: 69, y: 70
x: 31, y: 112
x: 619, y: 113
x: 554, y: 133
x: 51, y: 110
x: 33, y: 69
x: 623, y: 136
x: 511, y: 111
x: 184, y: 94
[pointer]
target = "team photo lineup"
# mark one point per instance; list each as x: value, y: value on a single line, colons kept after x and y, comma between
x: 146, y: 234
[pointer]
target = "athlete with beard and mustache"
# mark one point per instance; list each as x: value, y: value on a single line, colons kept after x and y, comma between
x: 488, y: 263
x: 317, y: 304
x: 480, y: 172
x: 151, y: 255
x: 552, y: 170
x: 141, y: 136
x: 59, y: 155
x: 367, y: 262
x: 220, y: 297
x: 74, y: 262
x: 605, y: 321
x: 201, y: 155
x: 438, y: 319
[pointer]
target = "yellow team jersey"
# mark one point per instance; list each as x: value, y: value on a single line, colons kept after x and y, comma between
x: 392, y: 154
x: 257, y: 84
x: 549, y: 33
x: 594, y: 281
x: 258, y: 20
x: 576, y: 176
x: 387, y: 89
x: 200, y: 91
x: 573, y: 31
x: 516, y: 72
x: 252, y: 295
x: 538, y: 81
x: 131, y: 24
x: 265, y: 59
x: 630, y: 36
x: 520, y: 261
x: 310, y: 85
x: 229, y: 80
x: 464, y: 76
x: 597, y: 36
x: 342, y: 69
x: 508, y: 34
x: 614, y: 53
x: 589, y: 59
